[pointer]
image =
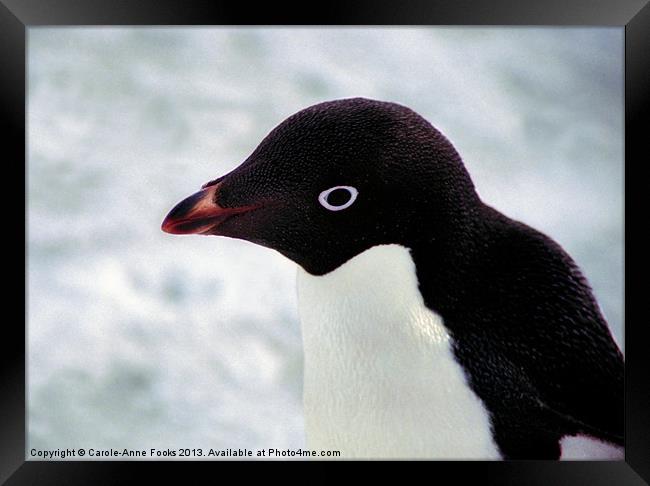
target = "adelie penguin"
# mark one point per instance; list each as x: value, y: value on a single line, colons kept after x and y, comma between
x: 433, y: 325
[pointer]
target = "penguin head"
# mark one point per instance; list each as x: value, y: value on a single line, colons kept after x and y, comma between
x: 334, y: 180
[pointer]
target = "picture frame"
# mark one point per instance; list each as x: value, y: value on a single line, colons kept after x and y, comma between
x: 17, y: 16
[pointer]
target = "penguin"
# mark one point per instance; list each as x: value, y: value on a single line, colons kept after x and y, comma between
x: 433, y: 325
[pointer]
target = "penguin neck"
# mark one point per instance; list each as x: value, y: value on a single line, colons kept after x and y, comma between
x: 380, y: 376
x: 445, y: 259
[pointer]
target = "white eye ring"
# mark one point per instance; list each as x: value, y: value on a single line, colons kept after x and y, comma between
x: 322, y: 198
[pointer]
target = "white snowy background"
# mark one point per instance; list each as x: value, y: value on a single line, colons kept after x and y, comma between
x: 140, y: 339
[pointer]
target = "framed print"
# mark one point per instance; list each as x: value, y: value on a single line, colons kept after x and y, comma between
x: 446, y: 188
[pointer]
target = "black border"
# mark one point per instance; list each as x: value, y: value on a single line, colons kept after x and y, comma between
x: 17, y: 15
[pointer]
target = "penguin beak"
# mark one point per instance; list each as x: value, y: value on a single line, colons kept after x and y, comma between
x: 200, y: 213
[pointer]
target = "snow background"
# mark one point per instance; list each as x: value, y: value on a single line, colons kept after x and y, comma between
x: 139, y: 339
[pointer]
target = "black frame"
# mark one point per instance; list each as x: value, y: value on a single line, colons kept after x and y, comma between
x: 634, y: 15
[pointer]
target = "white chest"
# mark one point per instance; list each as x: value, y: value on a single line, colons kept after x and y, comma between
x: 380, y: 376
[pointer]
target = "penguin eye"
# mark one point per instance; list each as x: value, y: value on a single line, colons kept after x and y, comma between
x: 338, y: 197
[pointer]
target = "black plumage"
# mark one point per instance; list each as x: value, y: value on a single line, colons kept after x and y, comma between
x: 529, y: 334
